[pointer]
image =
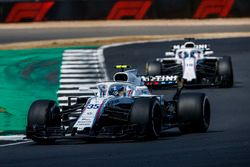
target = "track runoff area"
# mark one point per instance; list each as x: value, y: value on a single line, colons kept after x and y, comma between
x: 80, y: 69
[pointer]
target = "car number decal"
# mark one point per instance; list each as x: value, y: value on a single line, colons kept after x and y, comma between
x: 93, y: 106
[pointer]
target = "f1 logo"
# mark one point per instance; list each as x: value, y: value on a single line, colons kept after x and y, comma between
x: 213, y: 7
x: 129, y: 8
x: 28, y: 10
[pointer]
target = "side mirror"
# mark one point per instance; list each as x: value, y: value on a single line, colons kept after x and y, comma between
x: 208, y: 53
x: 169, y: 54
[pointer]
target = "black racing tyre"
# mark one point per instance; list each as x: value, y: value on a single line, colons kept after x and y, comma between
x: 225, y: 72
x: 43, y: 113
x: 146, y: 113
x: 193, y: 113
x: 153, y: 68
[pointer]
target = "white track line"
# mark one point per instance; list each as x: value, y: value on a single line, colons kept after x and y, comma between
x: 83, y: 63
x: 17, y: 143
x: 80, y: 58
x: 75, y: 85
x: 93, y: 54
x: 80, y: 66
x: 12, y: 137
x: 78, y: 80
x: 77, y: 75
x: 64, y: 98
x: 76, y: 71
x: 73, y: 91
x: 80, y: 51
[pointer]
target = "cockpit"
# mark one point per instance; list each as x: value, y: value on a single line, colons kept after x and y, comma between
x: 120, y: 89
x: 117, y: 89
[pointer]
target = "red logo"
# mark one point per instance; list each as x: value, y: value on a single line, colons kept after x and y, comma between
x: 213, y: 7
x: 129, y: 8
x: 29, y: 10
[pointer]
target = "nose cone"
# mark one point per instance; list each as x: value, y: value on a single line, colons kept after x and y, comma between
x: 189, y: 66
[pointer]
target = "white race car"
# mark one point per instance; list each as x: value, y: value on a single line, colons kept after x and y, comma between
x: 120, y: 108
x: 194, y: 63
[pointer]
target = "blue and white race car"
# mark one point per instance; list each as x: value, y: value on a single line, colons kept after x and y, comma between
x: 194, y: 63
x: 123, y: 108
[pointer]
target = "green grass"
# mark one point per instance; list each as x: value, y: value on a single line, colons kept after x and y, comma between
x: 25, y: 76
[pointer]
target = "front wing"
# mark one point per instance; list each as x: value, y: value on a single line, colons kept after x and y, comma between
x: 109, y: 132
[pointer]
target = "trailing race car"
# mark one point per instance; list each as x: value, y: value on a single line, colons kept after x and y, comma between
x: 123, y: 108
x: 194, y: 63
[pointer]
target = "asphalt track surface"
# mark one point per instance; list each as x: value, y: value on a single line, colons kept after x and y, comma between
x: 40, y: 34
x: 227, y: 142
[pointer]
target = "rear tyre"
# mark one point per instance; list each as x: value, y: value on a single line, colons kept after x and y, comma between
x: 193, y: 113
x: 146, y: 114
x: 153, y: 68
x: 42, y: 114
x: 225, y: 72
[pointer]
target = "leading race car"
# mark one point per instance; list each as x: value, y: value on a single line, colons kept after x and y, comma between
x: 194, y: 63
x: 123, y: 108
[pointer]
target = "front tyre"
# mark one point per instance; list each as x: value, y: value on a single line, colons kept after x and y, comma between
x: 193, y: 113
x: 146, y: 114
x: 42, y: 114
x: 225, y: 72
x: 153, y: 68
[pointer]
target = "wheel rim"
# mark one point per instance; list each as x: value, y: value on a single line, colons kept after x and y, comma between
x: 206, y: 113
x: 156, y: 120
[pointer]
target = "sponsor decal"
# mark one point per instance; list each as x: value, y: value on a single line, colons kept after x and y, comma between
x: 220, y: 8
x: 88, y: 116
x: 89, y: 113
x: 200, y: 46
x: 159, y: 78
x: 136, y: 9
x: 29, y: 10
x: 84, y: 122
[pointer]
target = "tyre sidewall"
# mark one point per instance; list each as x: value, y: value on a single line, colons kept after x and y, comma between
x: 193, y: 112
x: 142, y: 114
x: 153, y: 68
x: 43, y: 113
x: 225, y: 72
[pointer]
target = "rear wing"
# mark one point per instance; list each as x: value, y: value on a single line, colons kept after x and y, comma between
x: 199, y: 46
x: 191, y: 44
x: 159, y: 80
